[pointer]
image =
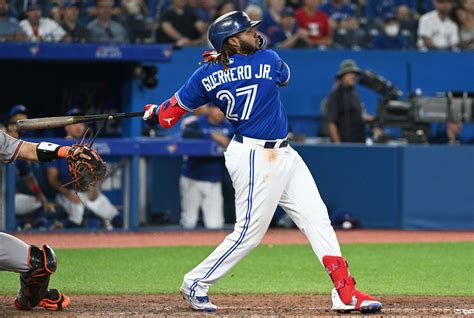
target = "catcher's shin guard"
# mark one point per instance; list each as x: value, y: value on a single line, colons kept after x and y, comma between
x: 34, y: 283
x: 337, y: 268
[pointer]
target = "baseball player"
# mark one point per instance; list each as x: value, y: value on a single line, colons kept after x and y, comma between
x: 243, y: 80
x: 201, y: 181
x: 35, y: 264
x: 27, y: 206
x: 75, y: 204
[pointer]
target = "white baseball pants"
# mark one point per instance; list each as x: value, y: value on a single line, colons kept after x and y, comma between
x: 101, y: 206
x: 26, y: 203
x: 204, y: 195
x: 263, y: 179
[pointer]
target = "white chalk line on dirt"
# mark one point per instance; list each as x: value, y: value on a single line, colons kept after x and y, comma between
x: 458, y: 311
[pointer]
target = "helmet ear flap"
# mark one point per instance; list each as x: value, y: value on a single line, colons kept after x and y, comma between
x: 262, y: 42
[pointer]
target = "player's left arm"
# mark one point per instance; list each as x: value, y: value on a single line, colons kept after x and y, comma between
x: 189, y: 97
x: 43, y: 151
x: 282, y: 71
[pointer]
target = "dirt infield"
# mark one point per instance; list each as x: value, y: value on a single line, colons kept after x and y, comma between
x: 238, y: 305
x: 213, y: 238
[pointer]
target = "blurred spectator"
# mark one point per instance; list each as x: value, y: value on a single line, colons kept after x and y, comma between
x: 341, y: 15
x: 10, y: 30
x: 90, y: 10
x: 358, y: 6
x: 377, y: 9
x: 390, y: 37
x: 224, y: 7
x: 17, y: 8
x: 76, y: 32
x: 201, y: 180
x: 408, y: 20
x: 447, y: 134
x: 465, y: 22
x: 315, y: 21
x: 425, y: 6
x: 181, y: 26
x: 75, y: 204
x: 39, y: 29
x: 56, y: 11
x: 286, y: 34
x: 103, y: 28
x: 30, y: 205
x: 469, y: 6
x: 436, y: 30
x: 254, y: 12
x: 344, y: 110
x: 133, y: 18
x: 344, y: 24
x: 203, y: 9
x: 272, y: 15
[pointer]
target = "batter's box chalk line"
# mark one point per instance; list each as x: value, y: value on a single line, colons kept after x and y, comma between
x: 464, y: 311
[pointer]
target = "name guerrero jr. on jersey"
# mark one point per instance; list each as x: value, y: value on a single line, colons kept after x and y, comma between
x: 242, y: 72
x: 251, y: 80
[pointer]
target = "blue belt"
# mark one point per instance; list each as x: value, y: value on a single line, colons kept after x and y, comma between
x: 267, y: 145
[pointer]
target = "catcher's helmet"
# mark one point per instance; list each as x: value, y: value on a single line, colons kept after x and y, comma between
x: 227, y: 25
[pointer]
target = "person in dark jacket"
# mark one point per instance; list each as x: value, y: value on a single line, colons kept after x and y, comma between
x: 344, y: 110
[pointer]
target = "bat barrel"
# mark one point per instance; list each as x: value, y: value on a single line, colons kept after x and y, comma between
x: 44, y: 123
x: 61, y: 121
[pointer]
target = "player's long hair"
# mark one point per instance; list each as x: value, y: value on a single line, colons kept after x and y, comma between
x: 223, y: 57
x: 227, y: 51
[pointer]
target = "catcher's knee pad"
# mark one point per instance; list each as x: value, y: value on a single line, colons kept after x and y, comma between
x: 337, y: 268
x: 34, y: 283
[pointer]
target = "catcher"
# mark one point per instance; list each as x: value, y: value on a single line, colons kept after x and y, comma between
x: 36, y: 264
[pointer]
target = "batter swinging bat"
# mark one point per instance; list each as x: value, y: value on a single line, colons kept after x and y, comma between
x: 61, y: 121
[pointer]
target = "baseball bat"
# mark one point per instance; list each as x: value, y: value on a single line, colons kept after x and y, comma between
x: 61, y: 121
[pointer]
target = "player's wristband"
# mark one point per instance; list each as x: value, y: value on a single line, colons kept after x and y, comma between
x: 47, y: 151
x: 62, y: 151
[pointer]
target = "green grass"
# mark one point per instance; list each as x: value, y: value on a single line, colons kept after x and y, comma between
x: 382, y: 269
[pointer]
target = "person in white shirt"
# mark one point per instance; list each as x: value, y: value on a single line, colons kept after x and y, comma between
x: 40, y: 29
x: 436, y: 30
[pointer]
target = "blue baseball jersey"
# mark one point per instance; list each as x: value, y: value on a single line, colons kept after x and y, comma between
x: 205, y: 168
x: 63, y: 171
x: 247, y: 93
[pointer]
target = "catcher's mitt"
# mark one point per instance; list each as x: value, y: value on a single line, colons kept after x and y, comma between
x: 85, y: 172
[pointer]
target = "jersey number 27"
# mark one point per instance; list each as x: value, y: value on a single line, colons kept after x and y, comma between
x: 249, y: 92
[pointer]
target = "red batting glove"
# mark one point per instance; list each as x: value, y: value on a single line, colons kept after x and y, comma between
x: 151, y: 114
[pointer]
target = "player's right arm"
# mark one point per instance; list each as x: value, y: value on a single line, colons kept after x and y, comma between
x: 189, y: 97
x: 52, y: 175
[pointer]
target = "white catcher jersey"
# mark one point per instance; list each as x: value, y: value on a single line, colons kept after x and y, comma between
x: 9, y: 147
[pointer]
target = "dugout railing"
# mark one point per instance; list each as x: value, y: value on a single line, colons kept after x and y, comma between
x: 129, y: 150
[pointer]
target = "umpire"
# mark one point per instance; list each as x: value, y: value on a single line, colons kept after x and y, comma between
x: 344, y: 108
